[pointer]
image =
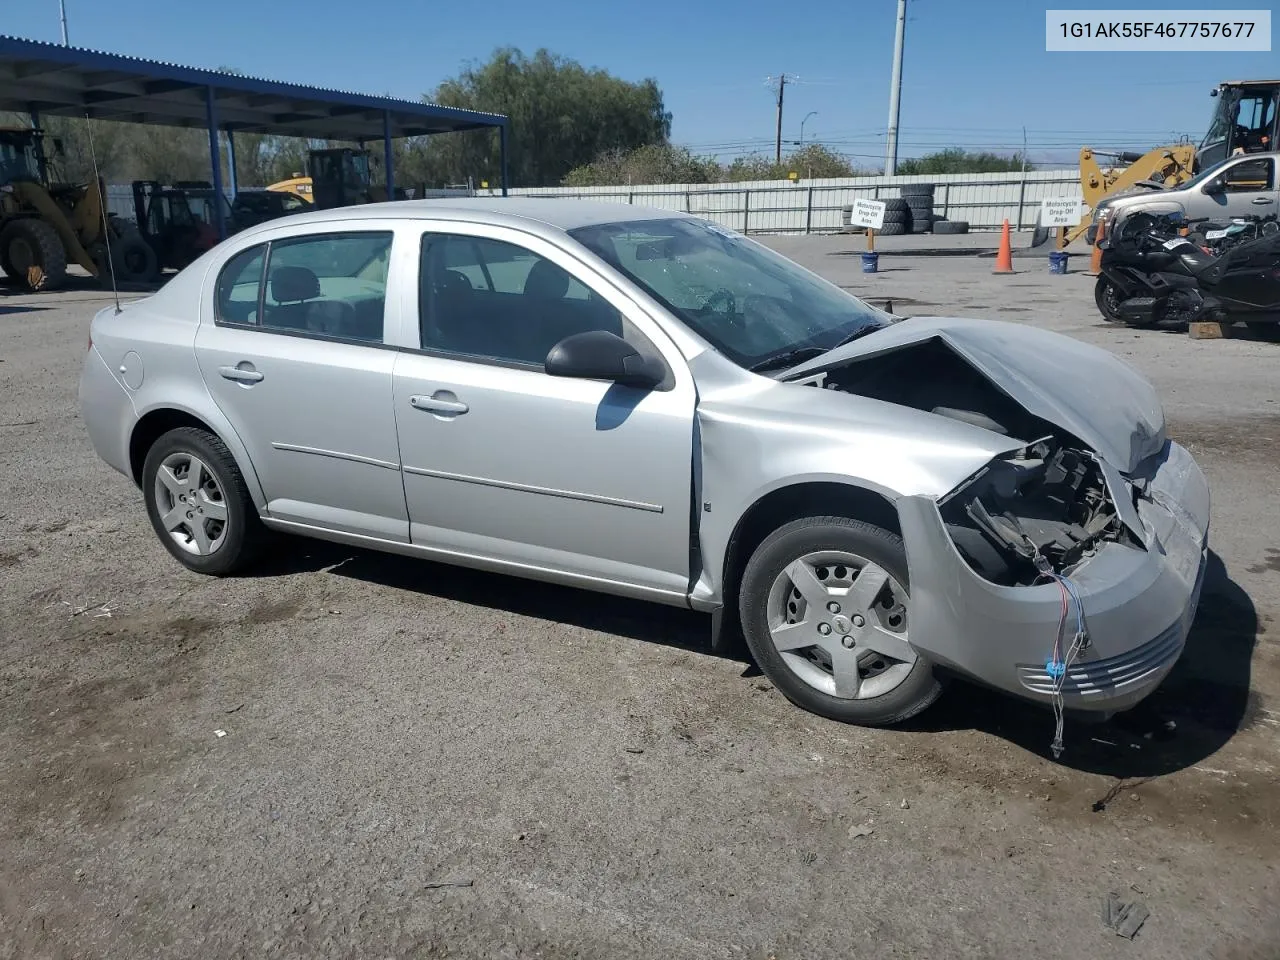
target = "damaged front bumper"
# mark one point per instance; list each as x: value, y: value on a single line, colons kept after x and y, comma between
x: 1138, y: 602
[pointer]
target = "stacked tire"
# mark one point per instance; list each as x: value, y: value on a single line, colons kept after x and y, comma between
x: 918, y: 198
x: 897, y: 219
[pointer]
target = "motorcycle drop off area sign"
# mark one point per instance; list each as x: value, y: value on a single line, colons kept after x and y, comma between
x: 1060, y: 211
x: 867, y: 213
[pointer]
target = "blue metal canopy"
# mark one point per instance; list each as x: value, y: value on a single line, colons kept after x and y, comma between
x: 69, y: 81
x: 45, y: 79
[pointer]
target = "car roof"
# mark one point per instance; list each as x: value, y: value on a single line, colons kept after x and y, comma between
x: 558, y: 212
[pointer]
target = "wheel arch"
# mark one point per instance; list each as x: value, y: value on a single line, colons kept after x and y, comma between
x: 159, y: 420
x: 810, y: 498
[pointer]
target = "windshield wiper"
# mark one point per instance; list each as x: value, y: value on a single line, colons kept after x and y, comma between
x: 787, y: 358
x: 857, y: 335
x: 790, y: 358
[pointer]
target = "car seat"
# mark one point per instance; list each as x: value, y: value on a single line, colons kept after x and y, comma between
x: 291, y: 288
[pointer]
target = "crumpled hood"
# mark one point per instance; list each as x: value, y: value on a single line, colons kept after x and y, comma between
x: 1085, y: 390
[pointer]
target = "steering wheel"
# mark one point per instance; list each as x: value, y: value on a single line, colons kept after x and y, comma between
x: 722, y: 296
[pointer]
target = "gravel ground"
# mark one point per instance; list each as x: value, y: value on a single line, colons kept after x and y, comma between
x: 421, y: 761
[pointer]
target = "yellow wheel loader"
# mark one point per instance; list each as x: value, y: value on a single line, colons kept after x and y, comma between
x: 1245, y: 120
x: 46, y: 225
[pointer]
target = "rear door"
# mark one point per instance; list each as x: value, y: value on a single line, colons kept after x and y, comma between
x: 294, y: 350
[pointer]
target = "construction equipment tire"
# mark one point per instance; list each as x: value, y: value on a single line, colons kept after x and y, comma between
x: 135, y: 261
x: 33, y: 254
x: 892, y: 229
x: 950, y: 226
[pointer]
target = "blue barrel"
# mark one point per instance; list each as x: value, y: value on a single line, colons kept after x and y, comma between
x: 870, y: 262
x: 1058, y: 262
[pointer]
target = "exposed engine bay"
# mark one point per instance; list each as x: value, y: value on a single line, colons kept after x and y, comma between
x: 1045, y: 507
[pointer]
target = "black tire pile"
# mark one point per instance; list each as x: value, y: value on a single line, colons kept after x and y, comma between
x: 912, y: 212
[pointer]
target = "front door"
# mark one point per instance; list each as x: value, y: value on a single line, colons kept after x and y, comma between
x: 580, y: 479
x: 1249, y: 190
x: 294, y: 357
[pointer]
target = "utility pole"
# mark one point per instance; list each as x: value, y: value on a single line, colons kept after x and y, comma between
x: 895, y: 93
x: 62, y: 9
x: 777, y: 147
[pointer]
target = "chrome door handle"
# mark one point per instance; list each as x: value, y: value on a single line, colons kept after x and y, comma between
x: 240, y: 374
x: 438, y: 405
x: 1262, y: 200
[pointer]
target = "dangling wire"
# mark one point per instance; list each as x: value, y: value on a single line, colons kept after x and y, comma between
x: 1059, y: 664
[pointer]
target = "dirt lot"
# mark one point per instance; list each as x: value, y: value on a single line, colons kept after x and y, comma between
x: 583, y: 777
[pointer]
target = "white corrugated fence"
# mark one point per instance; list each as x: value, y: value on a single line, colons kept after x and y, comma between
x: 985, y: 200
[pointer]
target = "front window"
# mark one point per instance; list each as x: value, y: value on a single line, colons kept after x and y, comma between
x: 1242, y: 121
x: 751, y: 304
x: 17, y: 159
x: 1249, y: 176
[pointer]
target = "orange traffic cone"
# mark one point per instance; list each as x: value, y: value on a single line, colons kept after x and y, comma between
x: 1095, y: 258
x: 1004, y: 259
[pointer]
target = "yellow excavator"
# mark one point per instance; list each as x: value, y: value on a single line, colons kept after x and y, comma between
x: 1245, y: 120
x: 337, y: 177
x: 45, y: 224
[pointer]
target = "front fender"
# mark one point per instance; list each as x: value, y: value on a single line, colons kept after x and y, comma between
x: 744, y: 453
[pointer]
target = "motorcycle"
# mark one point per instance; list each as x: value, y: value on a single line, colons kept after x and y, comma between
x: 1217, y: 236
x: 1150, y: 274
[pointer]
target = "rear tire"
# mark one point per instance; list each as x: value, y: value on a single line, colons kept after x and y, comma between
x: 852, y: 679
x: 199, y: 504
x: 33, y: 254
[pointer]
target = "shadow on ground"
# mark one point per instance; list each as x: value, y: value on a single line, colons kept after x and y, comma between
x: 1205, y: 700
x: 74, y: 283
x: 636, y: 619
x: 1200, y: 706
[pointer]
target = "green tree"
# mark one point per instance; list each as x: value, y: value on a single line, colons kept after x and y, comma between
x: 652, y: 163
x: 958, y: 160
x: 562, y: 115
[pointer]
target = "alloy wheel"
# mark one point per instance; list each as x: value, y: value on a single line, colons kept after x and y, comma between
x: 839, y: 623
x: 191, y: 504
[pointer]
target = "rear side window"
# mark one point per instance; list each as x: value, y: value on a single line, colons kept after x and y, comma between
x: 329, y: 285
x: 239, y: 286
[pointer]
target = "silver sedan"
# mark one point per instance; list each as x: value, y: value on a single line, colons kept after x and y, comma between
x: 643, y: 403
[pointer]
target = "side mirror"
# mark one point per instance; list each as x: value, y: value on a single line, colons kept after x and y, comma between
x: 600, y: 355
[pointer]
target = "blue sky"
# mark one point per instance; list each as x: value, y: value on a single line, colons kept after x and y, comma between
x: 976, y: 71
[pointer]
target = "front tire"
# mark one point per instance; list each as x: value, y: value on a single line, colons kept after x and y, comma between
x: 33, y: 254
x: 1107, y: 297
x: 198, y: 503
x: 825, y: 609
